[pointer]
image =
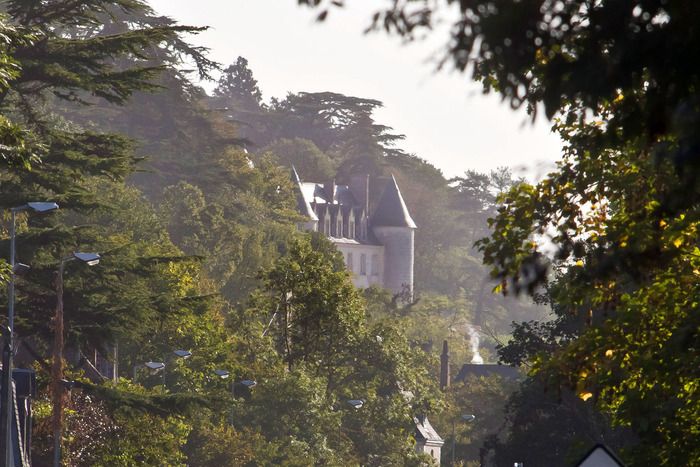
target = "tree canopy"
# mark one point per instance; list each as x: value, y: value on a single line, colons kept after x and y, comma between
x: 620, y: 210
x: 188, y: 199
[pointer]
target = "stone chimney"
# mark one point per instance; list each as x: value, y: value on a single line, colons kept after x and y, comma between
x: 329, y: 188
x: 444, y: 367
x: 359, y: 186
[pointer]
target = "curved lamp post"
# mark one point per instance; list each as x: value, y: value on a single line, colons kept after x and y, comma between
x: 247, y: 384
x: 57, y: 386
x: 179, y: 353
x: 155, y: 367
x: 464, y: 418
x: 6, y: 393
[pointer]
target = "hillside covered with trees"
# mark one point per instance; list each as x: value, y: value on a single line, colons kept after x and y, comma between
x: 189, y: 201
x: 214, y: 333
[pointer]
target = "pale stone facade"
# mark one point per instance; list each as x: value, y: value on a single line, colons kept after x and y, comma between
x: 398, y: 254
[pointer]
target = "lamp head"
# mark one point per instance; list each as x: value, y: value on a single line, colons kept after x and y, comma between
x: 42, y: 206
x: 20, y: 269
x: 223, y: 374
x: 155, y: 366
x: 249, y: 383
x: 356, y: 403
x: 181, y: 353
x: 91, y: 259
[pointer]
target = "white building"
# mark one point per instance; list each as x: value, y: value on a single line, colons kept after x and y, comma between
x: 378, y: 246
x: 428, y: 441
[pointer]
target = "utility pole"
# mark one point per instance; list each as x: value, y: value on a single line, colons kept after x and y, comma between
x: 8, y: 349
x: 57, y: 394
x: 7, y: 392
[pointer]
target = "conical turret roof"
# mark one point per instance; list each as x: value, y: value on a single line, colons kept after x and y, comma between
x: 391, y: 211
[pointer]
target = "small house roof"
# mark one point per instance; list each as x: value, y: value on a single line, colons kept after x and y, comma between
x: 600, y: 456
x: 487, y: 369
x: 425, y: 431
x: 303, y: 202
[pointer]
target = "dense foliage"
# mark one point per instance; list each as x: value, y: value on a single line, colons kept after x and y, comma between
x: 620, y: 211
x: 189, y: 201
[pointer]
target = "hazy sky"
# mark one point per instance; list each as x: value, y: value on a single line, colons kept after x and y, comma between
x: 444, y: 116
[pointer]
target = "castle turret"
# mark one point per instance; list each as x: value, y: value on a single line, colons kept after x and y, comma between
x: 394, y: 228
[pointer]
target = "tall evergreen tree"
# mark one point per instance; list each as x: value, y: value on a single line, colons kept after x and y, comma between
x: 237, y: 87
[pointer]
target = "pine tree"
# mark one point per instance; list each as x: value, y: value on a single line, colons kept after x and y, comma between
x: 238, y: 87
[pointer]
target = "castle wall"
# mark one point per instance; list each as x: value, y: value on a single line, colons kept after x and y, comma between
x: 373, y: 272
x: 398, y: 257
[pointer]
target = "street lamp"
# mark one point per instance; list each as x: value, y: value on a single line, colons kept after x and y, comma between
x: 463, y: 417
x: 91, y: 259
x: 179, y: 353
x: 247, y: 384
x: 223, y: 374
x: 155, y: 367
x: 6, y: 398
x: 356, y: 403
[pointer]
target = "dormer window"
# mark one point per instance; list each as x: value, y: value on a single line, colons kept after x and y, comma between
x: 351, y: 230
x: 327, y: 225
x: 339, y: 227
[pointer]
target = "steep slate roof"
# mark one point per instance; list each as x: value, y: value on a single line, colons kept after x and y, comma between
x: 344, y: 196
x: 303, y: 204
x: 425, y: 431
x: 391, y: 211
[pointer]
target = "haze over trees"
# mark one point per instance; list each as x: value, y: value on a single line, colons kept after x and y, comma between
x: 188, y: 199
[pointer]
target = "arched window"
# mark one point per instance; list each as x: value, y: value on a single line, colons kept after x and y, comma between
x: 374, y: 266
x: 327, y: 225
x: 363, y: 264
x: 339, y: 227
x: 351, y: 230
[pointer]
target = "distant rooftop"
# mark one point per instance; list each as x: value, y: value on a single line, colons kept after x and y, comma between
x: 425, y: 431
x: 474, y: 369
